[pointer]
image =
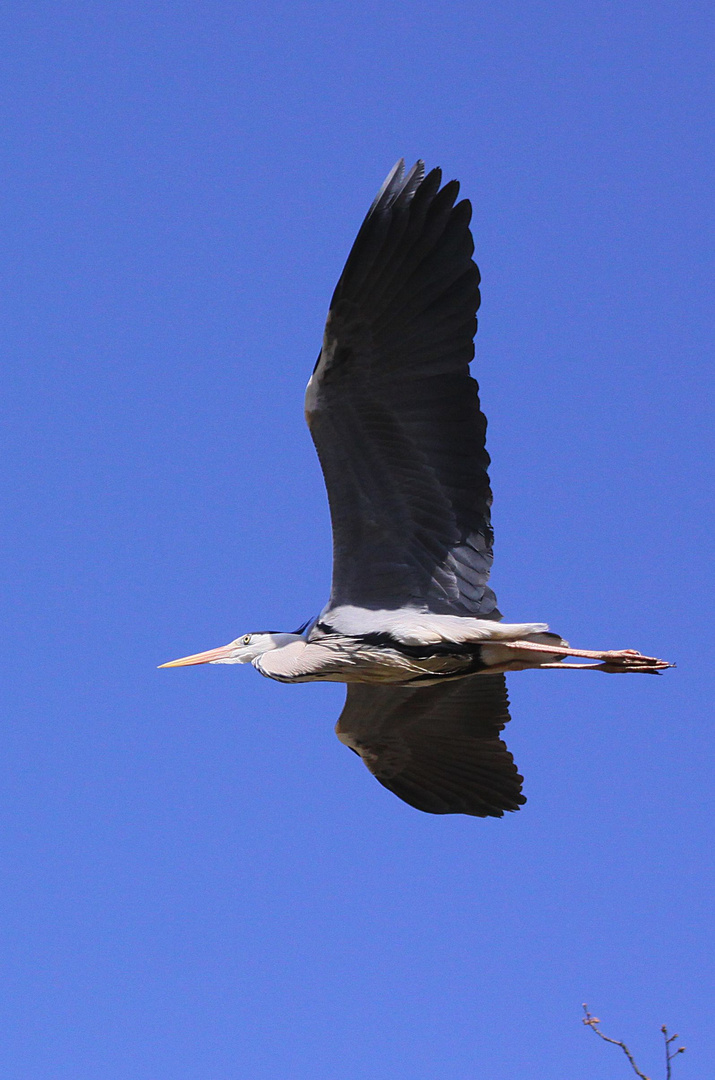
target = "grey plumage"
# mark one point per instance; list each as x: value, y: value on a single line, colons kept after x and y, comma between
x: 410, y: 511
x: 411, y: 625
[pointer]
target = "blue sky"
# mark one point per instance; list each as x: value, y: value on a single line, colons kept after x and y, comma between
x: 198, y: 881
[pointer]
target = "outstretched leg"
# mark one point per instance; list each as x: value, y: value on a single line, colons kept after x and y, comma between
x: 614, y: 661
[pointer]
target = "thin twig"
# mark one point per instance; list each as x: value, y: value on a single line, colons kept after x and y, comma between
x: 668, y: 1055
x: 593, y: 1022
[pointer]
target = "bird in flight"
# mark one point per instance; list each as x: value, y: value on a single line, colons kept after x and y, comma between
x: 411, y: 625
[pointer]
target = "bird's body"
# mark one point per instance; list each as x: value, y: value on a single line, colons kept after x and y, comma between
x: 411, y: 625
x: 418, y: 653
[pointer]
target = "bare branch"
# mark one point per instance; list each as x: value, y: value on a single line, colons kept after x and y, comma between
x: 593, y: 1022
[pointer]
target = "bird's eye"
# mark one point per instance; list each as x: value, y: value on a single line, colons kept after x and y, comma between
x: 246, y: 639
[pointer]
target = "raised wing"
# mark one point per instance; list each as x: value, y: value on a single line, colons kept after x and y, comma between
x: 436, y: 747
x: 394, y: 414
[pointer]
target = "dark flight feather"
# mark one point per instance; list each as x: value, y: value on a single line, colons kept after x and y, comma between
x: 395, y: 414
x: 437, y: 747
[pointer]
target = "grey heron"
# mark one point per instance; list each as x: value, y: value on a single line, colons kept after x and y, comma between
x: 411, y: 625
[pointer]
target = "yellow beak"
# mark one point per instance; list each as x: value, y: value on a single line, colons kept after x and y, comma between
x: 202, y: 657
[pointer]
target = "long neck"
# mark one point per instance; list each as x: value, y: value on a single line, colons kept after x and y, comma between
x: 284, y: 658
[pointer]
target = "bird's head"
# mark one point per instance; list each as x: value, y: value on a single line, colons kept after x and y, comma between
x: 241, y: 651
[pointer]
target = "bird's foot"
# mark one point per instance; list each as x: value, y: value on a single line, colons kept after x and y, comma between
x: 629, y: 660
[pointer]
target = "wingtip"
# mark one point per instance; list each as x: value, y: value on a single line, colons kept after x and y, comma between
x: 411, y: 182
x: 399, y: 187
x: 393, y: 178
